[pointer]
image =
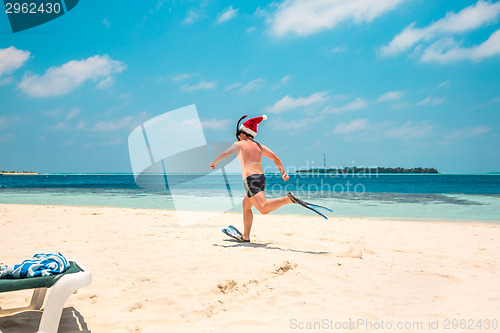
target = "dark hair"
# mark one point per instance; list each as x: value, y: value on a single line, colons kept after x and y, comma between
x: 249, y: 135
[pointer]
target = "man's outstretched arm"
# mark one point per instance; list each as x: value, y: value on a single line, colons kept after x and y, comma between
x: 271, y: 155
x: 229, y: 151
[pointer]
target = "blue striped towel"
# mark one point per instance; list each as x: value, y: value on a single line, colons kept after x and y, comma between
x: 42, y: 264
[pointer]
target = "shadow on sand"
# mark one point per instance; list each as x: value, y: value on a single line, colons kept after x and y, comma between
x: 267, y: 246
x: 28, y: 321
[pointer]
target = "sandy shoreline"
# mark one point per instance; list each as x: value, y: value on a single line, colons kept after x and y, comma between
x: 151, y: 275
x: 18, y: 173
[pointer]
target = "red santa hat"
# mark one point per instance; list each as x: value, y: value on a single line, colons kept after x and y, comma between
x: 250, y: 126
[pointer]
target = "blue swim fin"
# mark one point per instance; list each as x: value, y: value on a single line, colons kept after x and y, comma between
x: 235, y: 234
x: 308, y: 205
x: 235, y: 230
x: 318, y: 206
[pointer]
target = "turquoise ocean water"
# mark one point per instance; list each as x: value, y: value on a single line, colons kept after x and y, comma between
x: 410, y: 197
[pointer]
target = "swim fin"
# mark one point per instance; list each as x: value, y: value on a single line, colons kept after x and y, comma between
x: 318, y: 206
x: 235, y: 230
x: 308, y: 205
x: 232, y: 233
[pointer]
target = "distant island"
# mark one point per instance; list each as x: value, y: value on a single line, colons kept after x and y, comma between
x: 368, y: 170
x: 18, y: 172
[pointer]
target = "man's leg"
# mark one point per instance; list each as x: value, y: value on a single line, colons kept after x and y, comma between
x: 247, y: 217
x: 266, y: 206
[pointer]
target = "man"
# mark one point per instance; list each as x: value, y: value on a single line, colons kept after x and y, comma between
x: 250, y: 154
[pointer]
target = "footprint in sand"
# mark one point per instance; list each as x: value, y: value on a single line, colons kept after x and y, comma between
x: 136, y: 329
x: 284, y: 267
x: 135, y: 306
x: 446, y: 276
x: 226, y: 286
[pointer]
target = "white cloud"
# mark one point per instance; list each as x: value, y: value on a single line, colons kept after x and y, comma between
x: 431, y: 101
x: 73, y: 113
x: 368, y: 131
x: 6, y: 121
x: 52, y: 113
x: 390, y: 96
x: 106, y: 23
x: 410, y: 130
x: 159, y: 4
x: 106, y: 83
x: 80, y: 125
x: 180, y: 77
x: 63, y: 79
x: 253, y: 85
x: 129, y: 122
x: 60, y: 126
x: 447, y: 50
x: 232, y: 86
x: 5, y: 81
x: 191, y: 17
x: 306, y: 17
x: 287, y: 102
x: 357, y: 104
x: 282, y: 82
x: 338, y: 49
x: 353, y: 126
x: 467, y: 133
x: 203, y: 85
x: 12, y: 59
x: 444, y: 84
x: 195, y: 13
x: 113, y: 125
x: 215, y: 124
x: 227, y: 15
x: 488, y: 103
x: 467, y: 19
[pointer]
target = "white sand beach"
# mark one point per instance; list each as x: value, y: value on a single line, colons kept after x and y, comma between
x: 151, y: 275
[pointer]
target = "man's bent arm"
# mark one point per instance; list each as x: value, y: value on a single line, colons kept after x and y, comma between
x: 229, y: 151
x: 271, y: 155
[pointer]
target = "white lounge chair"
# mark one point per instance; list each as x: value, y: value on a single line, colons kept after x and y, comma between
x: 61, y: 287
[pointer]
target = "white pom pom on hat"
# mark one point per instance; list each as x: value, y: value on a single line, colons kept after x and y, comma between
x: 264, y: 117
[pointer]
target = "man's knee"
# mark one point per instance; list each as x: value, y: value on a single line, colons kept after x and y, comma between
x: 262, y: 210
x: 247, y: 204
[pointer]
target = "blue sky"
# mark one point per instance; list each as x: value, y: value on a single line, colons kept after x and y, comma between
x: 367, y: 82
